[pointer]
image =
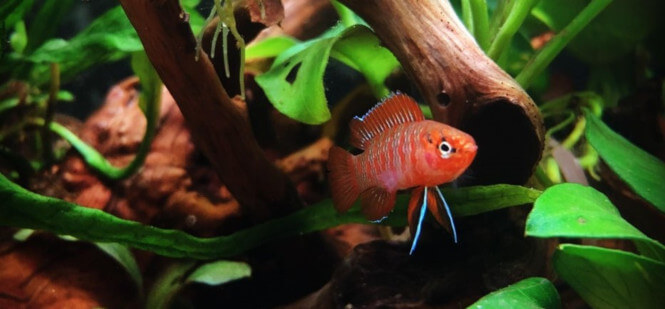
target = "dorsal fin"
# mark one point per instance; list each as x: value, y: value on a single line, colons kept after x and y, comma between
x: 394, y: 110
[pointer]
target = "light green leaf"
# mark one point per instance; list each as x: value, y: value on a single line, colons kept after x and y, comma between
x: 294, y: 83
x: 607, y: 278
x: 219, y: 272
x: 270, y: 47
x: 642, y: 172
x: 109, y: 38
x: 19, y: 39
x: 574, y: 210
x: 125, y: 258
x: 528, y: 293
x: 361, y: 49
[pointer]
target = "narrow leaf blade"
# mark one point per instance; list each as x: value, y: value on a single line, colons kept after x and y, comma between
x: 220, y: 272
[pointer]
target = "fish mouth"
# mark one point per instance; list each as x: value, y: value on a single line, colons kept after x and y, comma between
x: 470, y: 148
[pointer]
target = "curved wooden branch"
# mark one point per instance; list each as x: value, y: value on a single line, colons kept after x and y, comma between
x: 461, y: 84
x: 218, y: 127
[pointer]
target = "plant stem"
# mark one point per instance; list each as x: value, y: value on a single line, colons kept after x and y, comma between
x: 47, y: 145
x: 545, y: 56
x: 505, y: 34
x: 467, y: 16
x: 96, y: 160
x: 499, y: 17
x: 480, y: 23
x: 575, y: 135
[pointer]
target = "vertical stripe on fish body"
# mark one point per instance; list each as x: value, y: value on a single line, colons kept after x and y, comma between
x: 401, y: 150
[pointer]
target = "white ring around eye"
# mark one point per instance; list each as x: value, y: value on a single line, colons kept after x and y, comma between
x: 445, y: 149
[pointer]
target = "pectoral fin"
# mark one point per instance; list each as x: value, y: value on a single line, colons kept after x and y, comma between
x: 377, y: 203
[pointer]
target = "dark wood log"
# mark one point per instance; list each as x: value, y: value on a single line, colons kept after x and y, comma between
x: 461, y: 84
x: 217, y: 126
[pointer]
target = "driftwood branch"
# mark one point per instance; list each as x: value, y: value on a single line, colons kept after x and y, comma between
x: 461, y: 84
x: 217, y: 126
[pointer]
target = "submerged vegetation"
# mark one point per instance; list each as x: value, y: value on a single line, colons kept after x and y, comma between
x: 563, y: 159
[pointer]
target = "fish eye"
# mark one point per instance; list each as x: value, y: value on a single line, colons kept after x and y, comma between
x: 445, y: 149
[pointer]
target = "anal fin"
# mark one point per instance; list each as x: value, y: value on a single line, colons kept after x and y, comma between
x: 377, y: 203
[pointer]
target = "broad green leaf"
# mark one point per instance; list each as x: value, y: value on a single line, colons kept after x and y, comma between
x: 219, y: 272
x: 294, y: 83
x: 574, y: 210
x: 362, y: 50
x: 528, y: 293
x: 25, y: 209
x: 607, y: 278
x: 109, y: 38
x: 196, y: 21
x: 642, y: 172
x: 270, y: 47
x: 125, y: 258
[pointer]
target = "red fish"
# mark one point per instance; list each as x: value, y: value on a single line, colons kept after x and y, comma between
x: 401, y: 150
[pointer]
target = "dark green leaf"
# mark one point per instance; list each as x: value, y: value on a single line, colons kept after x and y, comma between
x: 615, y: 32
x: 219, y: 272
x: 12, y: 11
x: 110, y: 37
x: 607, y: 278
x: 574, y: 210
x: 125, y: 258
x: 642, y: 172
x: 528, y: 293
x: 294, y: 83
x: 21, y: 208
x: 45, y: 23
x: 270, y: 47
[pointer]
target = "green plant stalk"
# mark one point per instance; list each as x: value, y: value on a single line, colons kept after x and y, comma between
x: 505, y: 34
x: 576, y: 134
x: 542, y: 177
x: 467, y: 16
x: 481, y: 25
x: 544, y: 57
x: 25, y: 209
x: 552, y: 170
x: 503, y: 9
x: 570, y: 117
x: 168, y: 284
x: 47, y: 144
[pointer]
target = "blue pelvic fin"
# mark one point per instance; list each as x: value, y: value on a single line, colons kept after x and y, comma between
x: 450, y: 215
x: 423, y: 210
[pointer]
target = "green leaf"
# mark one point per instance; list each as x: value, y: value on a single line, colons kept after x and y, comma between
x: 528, y: 293
x: 125, y: 258
x: 109, y: 38
x: 360, y: 49
x: 574, y: 210
x: 294, y: 83
x: 219, y: 272
x: 614, y: 33
x: 270, y: 47
x: 12, y: 11
x: 19, y: 39
x: 642, y: 172
x: 45, y: 24
x: 25, y: 209
x: 607, y: 278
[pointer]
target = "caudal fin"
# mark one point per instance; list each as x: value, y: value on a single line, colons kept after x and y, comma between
x: 343, y: 184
